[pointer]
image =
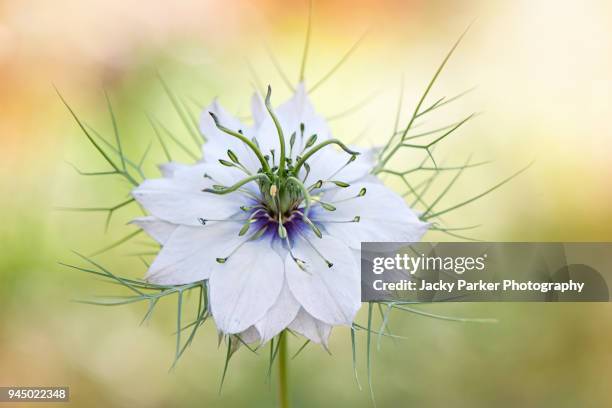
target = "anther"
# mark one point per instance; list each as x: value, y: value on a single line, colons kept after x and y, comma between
x: 255, y: 236
x: 307, y: 167
x: 232, y: 156
x: 311, y: 141
x: 245, y: 228
x: 357, y: 218
x: 291, y: 143
x: 316, y: 185
x: 282, y: 231
x: 301, y: 264
x: 259, y: 233
x: 327, y: 206
x: 313, y: 227
x: 328, y: 263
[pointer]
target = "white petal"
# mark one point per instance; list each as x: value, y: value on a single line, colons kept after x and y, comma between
x: 180, y: 199
x: 246, y: 286
x: 249, y: 336
x: 218, y: 142
x: 168, y: 169
x: 190, y: 253
x: 311, y: 328
x: 258, y: 110
x: 157, y: 229
x: 279, y: 316
x: 384, y: 216
x: 299, y: 109
x: 291, y: 114
x: 331, y: 294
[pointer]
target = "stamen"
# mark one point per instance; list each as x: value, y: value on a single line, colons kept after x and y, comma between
x: 313, y: 227
x: 282, y: 231
x: 246, y: 226
x: 329, y: 264
x: 311, y: 141
x: 305, y: 193
x: 204, y: 221
x: 232, y: 156
x: 316, y: 185
x: 240, y: 167
x: 255, y: 236
x: 357, y: 218
x: 327, y: 206
x: 291, y: 143
x: 252, y: 218
x: 249, y: 208
x: 255, y: 142
x: 273, y: 190
x: 234, y: 162
x: 240, y: 136
x: 360, y: 194
x: 301, y: 264
x: 350, y: 160
x: 307, y: 167
x: 258, y: 233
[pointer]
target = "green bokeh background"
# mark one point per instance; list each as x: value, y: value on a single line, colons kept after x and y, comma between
x: 543, y: 71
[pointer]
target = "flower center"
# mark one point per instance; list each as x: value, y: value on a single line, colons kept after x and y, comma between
x: 283, y: 203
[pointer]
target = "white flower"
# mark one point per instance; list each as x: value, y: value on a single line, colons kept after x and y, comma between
x: 274, y: 227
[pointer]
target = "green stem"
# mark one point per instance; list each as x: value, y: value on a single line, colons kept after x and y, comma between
x: 318, y: 147
x: 230, y: 189
x: 279, y: 131
x: 283, y: 389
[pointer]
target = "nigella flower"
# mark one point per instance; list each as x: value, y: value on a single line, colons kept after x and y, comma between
x: 273, y: 217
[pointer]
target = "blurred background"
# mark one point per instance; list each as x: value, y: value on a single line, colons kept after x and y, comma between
x: 543, y: 76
